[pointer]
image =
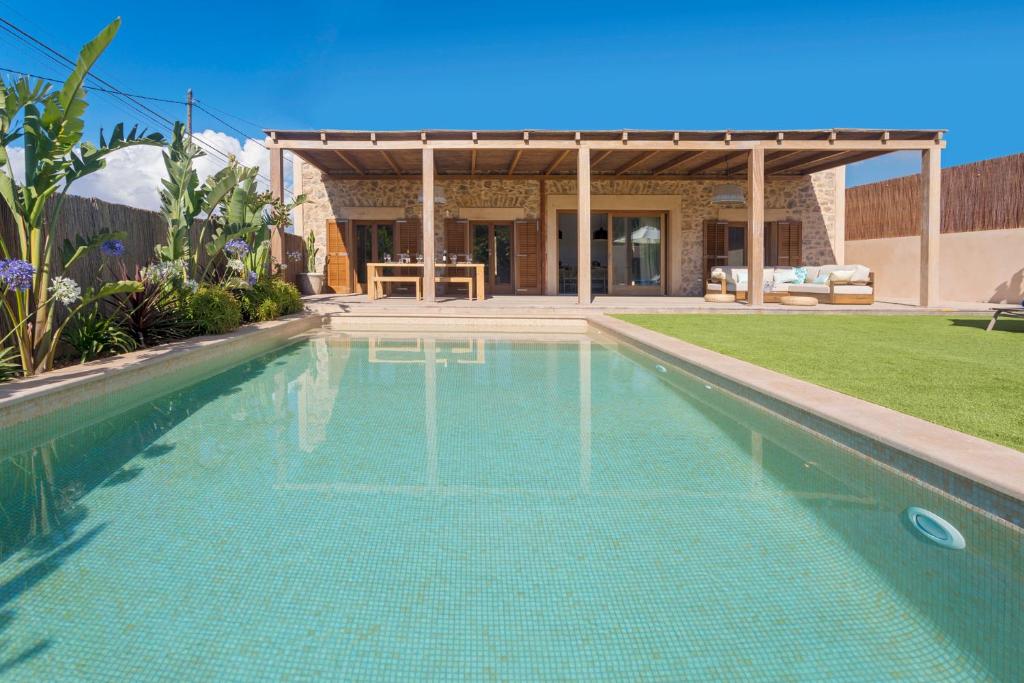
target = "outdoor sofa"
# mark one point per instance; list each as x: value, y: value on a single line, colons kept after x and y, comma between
x: 830, y: 284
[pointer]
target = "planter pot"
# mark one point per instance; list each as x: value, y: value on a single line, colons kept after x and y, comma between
x: 311, y: 283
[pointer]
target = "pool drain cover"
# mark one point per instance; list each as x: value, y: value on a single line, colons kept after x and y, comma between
x: 933, y: 528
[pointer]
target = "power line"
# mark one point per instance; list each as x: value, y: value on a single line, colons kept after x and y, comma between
x: 92, y: 89
x: 214, y: 116
x: 59, y: 57
x: 126, y: 99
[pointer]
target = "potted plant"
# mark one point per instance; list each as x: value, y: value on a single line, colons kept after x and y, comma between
x: 311, y: 281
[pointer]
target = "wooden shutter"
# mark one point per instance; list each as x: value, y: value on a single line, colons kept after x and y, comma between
x: 339, y: 270
x: 789, y: 236
x: 528, y: 261
x: 409, y: 236
x: 456, y: 236
x: 716, y: 246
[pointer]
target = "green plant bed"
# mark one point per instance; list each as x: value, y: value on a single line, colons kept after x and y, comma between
x: 213, y: 310
x: 269, y: 299
x: 946, y: 370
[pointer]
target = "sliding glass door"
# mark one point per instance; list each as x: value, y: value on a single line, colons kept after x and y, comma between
x: 492, y: 244
x: 636, y: 254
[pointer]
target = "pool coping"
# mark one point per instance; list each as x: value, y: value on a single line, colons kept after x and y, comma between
x: 29, y: 398
x: 990, y: 477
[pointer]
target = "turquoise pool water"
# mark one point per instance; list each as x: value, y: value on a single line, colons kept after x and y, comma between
x: 474, y: 509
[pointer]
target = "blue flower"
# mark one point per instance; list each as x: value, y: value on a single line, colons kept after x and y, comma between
x: 237, y: 248
x: 17, y: 274
x: 112, y: 248
x: 252, y: 278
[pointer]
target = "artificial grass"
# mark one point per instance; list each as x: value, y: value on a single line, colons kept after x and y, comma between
x: 944, y: 369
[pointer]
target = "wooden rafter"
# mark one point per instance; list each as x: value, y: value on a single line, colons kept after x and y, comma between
x: 816, y: 161
x: 515, y: 161
x: 673, y: 162
x: 715, y: 162
x: 351, y: 162
x: 636, y: 161
x: 558, y: 160
x: 852, y: 157
x: 793, y: 160
x: 777, y: 159
x: 472, y: 160
x: 391, y: 162
x: 599, y: 157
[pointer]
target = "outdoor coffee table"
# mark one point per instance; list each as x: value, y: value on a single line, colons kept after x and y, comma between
x: 1009, y: 311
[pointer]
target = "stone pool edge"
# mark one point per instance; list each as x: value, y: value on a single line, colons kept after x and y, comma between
x: 29, y: 398
x: 982, y: 473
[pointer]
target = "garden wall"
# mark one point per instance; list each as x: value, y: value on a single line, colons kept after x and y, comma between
x: 981, y: 249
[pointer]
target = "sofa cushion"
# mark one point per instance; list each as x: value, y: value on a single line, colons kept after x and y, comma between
x: 853, y: 289
x: 808, y: 289
x: 781, y: 276
x: 861, y: 274
x: 841, y: 276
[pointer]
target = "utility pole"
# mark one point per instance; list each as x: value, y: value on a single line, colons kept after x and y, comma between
x: 188, y: 112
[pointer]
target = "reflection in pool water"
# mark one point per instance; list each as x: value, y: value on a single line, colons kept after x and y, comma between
x: 364, y: 507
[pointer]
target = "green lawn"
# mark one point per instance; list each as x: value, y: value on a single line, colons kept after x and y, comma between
x: 945, y: 369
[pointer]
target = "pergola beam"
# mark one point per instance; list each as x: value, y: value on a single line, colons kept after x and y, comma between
x: 676, y: 161
x: 711, y: 163
x: 351, y: 162
x: 391, y: 162
x: 601, y: 145
x: 636, y: 161
x: 558, y: 160
x: 849, y: 159
x: 515, y: 161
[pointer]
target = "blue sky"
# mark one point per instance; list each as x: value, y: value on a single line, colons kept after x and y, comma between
x: 302, y: 64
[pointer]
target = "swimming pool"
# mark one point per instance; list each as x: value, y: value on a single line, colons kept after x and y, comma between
x: 431, y: 507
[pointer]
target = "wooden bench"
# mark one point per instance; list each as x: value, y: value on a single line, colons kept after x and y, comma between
x: 387, y: 280
x: 456, y: 280
x: 1009, y: 311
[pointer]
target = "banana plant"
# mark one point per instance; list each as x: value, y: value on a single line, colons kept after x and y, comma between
x: 183, y: 200
x: 50, y: 124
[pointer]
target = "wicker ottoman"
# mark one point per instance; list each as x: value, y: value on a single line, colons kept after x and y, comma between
x: 720, y: 298
x: 793, y: 300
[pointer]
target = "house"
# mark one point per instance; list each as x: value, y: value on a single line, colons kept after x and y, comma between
x: 664, y: 207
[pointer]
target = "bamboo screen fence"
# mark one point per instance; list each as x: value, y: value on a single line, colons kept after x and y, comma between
x: 985, y: 195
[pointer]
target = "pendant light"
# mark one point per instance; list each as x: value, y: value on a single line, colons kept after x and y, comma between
x: 728, y: 193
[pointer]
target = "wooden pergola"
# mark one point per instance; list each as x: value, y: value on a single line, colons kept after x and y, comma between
x: 748, y: 156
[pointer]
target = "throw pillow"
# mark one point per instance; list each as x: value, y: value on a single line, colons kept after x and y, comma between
x: 821, y: 279
x: 841, y: 276
x: 739, y: 276
x: 799, y: 276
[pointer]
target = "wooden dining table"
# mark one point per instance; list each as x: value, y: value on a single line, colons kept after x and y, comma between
x: 375, y: 270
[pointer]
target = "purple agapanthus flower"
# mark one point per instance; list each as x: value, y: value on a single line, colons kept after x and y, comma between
x: 252, y: 277
x: 237, y: 248
x: 17, y: 274
x: 112, y: 248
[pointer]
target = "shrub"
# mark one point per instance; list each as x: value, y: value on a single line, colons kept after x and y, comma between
x: 213, y: 310
x: 269, y: 299
x: 10, y: 363
x: 154, y: 314
x: 94, y: 334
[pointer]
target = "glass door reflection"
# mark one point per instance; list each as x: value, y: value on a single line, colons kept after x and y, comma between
x: 636, y: 254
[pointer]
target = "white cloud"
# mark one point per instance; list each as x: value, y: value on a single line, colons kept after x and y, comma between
x: 132, y: 176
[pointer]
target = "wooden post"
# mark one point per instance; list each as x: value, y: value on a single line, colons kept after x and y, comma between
x: 277, y: 172
x: 755, y: 227
x: 277, y: 249
x: 583, y: 226
x: 428, y: 225
x: 931, y: 225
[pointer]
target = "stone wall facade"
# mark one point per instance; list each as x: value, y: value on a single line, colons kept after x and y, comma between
x: 810, y: 200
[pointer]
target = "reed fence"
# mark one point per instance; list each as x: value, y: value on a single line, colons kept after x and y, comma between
x: 985, y: 195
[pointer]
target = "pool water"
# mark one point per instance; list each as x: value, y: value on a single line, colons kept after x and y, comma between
x: 425, y: 508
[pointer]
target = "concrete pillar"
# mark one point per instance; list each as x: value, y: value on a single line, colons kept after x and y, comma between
x: 755, y: 227
x: 583, y: 226
x: 931, y: 224
x: 428, y: 226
